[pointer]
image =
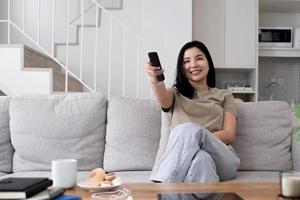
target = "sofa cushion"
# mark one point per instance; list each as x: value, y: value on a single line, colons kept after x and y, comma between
x: 132, y: 134
x: 255, y: 176
x: 126, y: 176
x: 6, y: 149
x: 296, y: 152
x: 134, y: 176
x: 263, y: 140
x: 2, y: 174
x: 58, y: 126
x: 81, y: 175
x: 143, y: 176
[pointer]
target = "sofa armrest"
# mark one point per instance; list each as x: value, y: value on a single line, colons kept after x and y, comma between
x: 296, y: 144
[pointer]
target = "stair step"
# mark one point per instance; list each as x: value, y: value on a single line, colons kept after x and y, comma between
x: 2, y: 93
x: 35, y: 59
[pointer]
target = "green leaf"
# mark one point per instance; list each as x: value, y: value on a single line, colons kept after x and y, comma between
x: 298, y: 138
x: 295, y: 130
x: 297, y: 110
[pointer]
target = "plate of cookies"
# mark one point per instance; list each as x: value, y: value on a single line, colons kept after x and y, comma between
x: 99, y: 181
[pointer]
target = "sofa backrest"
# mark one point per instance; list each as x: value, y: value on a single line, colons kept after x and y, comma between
x: 57, y: 126
x: 263, y: 140
x: 6, y: 149
x: 132, y: 134
x: 132, y: 131
x: 296, y: 138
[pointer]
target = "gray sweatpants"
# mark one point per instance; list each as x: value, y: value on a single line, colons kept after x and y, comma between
x: 194, y: 154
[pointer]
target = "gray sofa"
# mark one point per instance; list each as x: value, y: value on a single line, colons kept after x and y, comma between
x: 127, y: 135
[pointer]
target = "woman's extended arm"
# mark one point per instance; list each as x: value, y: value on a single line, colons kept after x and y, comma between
x: 227, y: 134
x: 163, y: 94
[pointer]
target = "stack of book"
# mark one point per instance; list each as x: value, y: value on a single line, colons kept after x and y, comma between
x: 28, y: 188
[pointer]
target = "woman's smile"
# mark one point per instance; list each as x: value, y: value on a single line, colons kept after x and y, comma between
x: 195, y: 71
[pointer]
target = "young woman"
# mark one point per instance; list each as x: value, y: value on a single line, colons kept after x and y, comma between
x: 203, y: 121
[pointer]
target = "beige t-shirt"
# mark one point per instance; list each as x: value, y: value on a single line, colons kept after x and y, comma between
x: 206, y: 108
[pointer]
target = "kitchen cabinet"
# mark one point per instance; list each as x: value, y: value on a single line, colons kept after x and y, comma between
x: 240, y: 33
x: 229, y: 30
x: 278, y: 66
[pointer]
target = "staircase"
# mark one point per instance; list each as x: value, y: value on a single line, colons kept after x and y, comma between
x: 79, y: 44
x: 34, y: 59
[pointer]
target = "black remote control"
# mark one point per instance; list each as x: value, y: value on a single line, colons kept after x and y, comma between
x: 156, y: 63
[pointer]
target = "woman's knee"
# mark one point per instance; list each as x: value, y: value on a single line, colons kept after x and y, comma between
x: 202, y: 169
x: 229, y: 171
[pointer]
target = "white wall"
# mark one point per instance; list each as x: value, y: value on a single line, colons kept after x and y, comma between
x: 165, y: 25
x: 3, y: 32
x: 3, y: 26
x: 3, y: 9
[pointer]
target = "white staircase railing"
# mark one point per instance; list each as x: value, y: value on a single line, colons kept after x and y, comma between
x: 105, y: 55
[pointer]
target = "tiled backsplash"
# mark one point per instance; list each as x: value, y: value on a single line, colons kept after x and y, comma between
x: 279, y: 79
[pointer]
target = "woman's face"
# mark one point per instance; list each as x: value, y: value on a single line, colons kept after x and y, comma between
x: 196, y: 67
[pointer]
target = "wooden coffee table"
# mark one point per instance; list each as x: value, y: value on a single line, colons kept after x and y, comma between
x: 148, y: 191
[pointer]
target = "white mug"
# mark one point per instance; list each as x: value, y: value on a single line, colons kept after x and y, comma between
x: 64, y: 173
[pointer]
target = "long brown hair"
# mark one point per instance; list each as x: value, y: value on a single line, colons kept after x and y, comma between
x: 181, y: 81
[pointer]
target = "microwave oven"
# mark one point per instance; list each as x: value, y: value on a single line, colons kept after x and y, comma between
x: 275, y: 36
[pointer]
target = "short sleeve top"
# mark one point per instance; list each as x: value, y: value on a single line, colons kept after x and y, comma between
x: 206, y: 108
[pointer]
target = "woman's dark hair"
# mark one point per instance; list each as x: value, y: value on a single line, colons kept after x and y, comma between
x: 181, y: 81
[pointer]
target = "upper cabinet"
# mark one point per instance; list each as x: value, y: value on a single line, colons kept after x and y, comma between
x: 240, y: 33
x: 229, y: 29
